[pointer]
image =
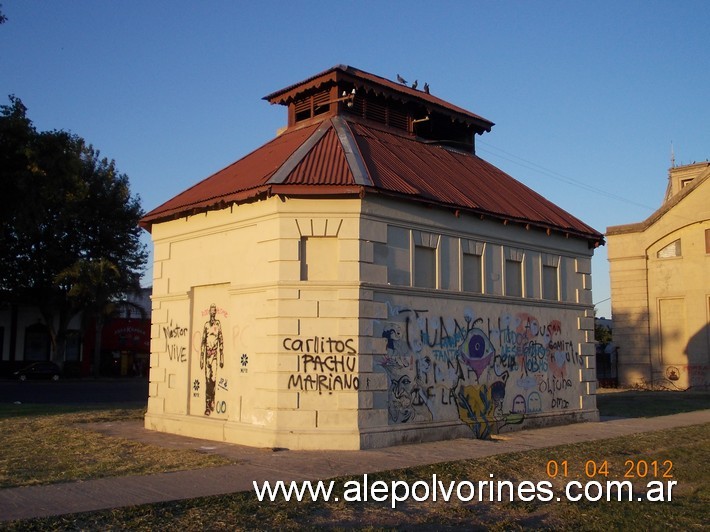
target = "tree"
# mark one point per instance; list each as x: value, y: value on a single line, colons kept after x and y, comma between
x: 66, y: 213
x: 92, y: 289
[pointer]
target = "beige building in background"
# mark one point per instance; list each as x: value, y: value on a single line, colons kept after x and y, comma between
x: 365, y: 280
x: 660, y: 287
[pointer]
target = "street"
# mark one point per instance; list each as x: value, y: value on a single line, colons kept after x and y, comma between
x: 132, y: 391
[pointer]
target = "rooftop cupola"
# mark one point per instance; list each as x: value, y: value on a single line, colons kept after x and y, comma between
x: 360, y: 96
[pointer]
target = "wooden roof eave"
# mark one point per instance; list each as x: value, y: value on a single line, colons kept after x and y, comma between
x: 210, y: 204
x: 289, y: 95
x: 249, y: 196
x: 289, y: 190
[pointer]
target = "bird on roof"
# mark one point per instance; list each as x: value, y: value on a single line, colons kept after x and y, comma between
x: 416, y: 82
x: 401, y: 80
x: 426, y: 88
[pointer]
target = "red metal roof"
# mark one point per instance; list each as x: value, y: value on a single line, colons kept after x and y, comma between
x: 338, y: 157
x: 462, y: 180
x: 237, y: 182
x: 325, y: 164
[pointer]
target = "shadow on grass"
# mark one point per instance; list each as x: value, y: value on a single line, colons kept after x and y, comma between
x: 640, y: 403
x: 10, y: 410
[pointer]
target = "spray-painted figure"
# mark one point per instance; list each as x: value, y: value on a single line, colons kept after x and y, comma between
x: 211, y: 352
x: 392, y: 334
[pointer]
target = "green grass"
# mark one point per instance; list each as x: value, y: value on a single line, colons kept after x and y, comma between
x: 10, y: 410
x: 687, y: 448
x: 47, y: 444
x: 640, y: 403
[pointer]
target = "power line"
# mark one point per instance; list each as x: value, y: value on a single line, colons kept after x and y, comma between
x: 555, y: 175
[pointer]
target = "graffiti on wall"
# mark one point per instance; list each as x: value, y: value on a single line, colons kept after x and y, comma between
x: 325, y: 364
x: 683, y: 376
x: 212, y: 356
x: 486, y: 372
x: 176, y: 342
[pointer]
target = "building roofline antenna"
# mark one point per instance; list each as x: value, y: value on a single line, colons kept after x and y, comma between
x: 672, y: 156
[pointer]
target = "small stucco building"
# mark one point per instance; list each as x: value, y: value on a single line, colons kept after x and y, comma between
x: 365, y: 279
x: 660, y: 287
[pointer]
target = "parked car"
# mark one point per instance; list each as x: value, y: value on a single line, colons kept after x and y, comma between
x: 39, y: 370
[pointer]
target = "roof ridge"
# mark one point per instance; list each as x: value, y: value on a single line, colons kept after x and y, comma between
x: 353, y: 156
x: 290, y: 164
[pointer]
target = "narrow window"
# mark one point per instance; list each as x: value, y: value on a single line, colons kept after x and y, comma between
x: 472, y: 275
x: 707, y: 241
x: 398, y: 256
x: 671, y: 250
x: 550, y: 285
x: 513, y: 278
x: 425, y: 267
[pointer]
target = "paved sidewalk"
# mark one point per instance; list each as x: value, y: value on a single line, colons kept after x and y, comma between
x: 262, y: 464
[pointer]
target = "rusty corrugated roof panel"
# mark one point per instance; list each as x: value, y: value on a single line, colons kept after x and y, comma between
x: 406, y: 166
x: 325, y: 164
x: 231, y: 183
x: 324, y: 159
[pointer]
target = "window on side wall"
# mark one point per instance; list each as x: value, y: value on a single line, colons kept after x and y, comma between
x: 513, y: 278
x: 550, y: 284
x: 472, y: 275
x: 550, y: 276
x: 513, y: 272
x: 707, y: 241
x: 472, y: 266
x: 425, y: 251
x: 671, y: 250
x: 399, y: 264
x: 425, y: 267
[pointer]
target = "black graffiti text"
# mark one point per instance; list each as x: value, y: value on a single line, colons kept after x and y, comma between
x: 174, y: 331
x: 558, y: 402
x: 321, y: 382
x: 552, y: 385
x: 438, y: 335
x: 319, y: 344
x: 571, y: 355
x: 322, y: 364
x: 174, y: 336
x: 177, y: 353
x: 535, y: 357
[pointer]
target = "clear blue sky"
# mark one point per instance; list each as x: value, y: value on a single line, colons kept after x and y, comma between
x: 587, y: 97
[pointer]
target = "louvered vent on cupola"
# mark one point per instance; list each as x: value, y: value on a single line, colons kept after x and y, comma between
x: 360, y: 96
x: 369, y: 106
x: 310, y: 106
x: 381, y: 110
